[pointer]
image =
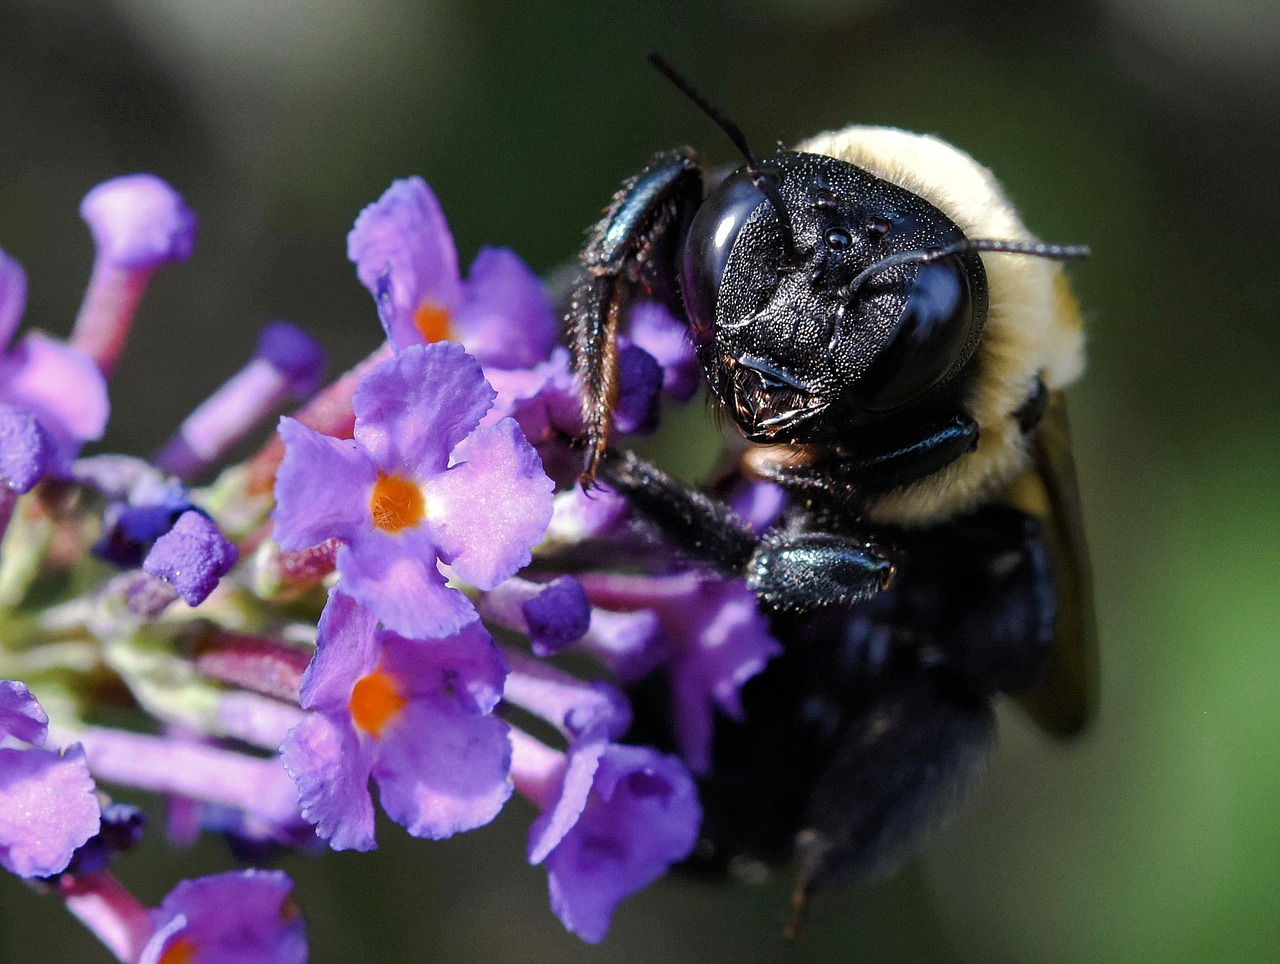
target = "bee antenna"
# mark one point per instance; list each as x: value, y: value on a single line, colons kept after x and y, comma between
x: 767, y: 183
x: 1034, y: 249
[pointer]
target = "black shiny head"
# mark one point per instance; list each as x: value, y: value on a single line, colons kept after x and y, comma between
x: 798, y: 342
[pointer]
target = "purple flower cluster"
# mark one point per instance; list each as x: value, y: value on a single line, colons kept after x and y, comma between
x: 410, y: 525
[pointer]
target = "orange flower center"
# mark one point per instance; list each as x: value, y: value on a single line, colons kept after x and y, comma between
x: 433, y: 322
x: 396, y: 503
x: 181, y: 951
x: 375, y: 702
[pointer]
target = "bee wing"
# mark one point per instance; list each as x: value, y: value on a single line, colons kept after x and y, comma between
x: 1066, y: 699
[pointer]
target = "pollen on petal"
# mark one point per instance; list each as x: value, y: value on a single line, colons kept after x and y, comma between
x: 396, y: 503
x: 375, y: 701
x: 433, y: 322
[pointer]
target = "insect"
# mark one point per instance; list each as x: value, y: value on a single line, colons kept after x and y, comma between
x: 891, y: 342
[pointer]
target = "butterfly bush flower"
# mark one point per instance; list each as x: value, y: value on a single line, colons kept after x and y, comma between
x: 47, y: 803
x: 415, y: 716
x: 58, y: 385
x: 420, y: 484
x: 379, y: 605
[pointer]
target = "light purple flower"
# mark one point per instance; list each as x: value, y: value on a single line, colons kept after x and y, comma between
x: 419, y: 483
x: 57, y: 384
x: 48, y: 804
x: 25, y: 449
x: 288, y: 364
x: 614, y: 819
x: 415, y: 715
x: 239, y: 917
x: 404, y: 254
x: 715, y: 637
x: 138, y: 222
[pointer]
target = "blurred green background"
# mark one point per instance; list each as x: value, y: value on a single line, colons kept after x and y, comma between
x: 1148, y: 129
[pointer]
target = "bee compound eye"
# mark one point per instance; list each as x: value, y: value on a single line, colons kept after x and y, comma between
x: 927, y: 340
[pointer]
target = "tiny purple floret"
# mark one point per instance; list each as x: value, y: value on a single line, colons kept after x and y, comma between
x: 139, y: 221
x: 48, y: 803
x: 240, y: 917
x: 415, y: 716
x: 483, y: 500
x: 637, y: 812
x: 192, y: 557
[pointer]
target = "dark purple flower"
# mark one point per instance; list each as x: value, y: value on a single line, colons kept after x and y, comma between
x: 404, y: 254
x: 240, y: 917
x: 48, y: 803
x: 419, y: 484
x: 639, y: 385
x: 552, y: 614
x: 666, y: 338
x: 191, y: 557
x: 57, y: 384
x: 415, y: 715
x: 715, y: 637
x: 121, y: 830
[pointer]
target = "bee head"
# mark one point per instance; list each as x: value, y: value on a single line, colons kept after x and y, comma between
x: 807, y: 316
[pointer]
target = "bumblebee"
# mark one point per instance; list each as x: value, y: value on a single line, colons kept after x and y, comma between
x: 892, y: 344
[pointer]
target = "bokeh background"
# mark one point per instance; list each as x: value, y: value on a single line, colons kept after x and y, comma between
x: 1147, y: 128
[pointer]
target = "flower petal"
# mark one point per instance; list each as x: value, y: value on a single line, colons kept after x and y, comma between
x: 505, y: 318
x: 48, y: 808
x: 488, y: 512
x: 322, y: 488
x: 21, y: 715
x: 402, y: 242
x: 346, y: 649
x: 414, y: 408
x: 397, y: 578
x: 331, y: 766
x: 442, y: 770
x: 13, y: 297
x: 61, y: 386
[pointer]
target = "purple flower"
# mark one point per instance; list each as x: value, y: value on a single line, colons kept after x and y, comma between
x: 404, y: 254
x: 666, y: 338
x: 288, y: 364
x: 138, y: 223
x: 552, y: 614
x: 58, y: 385
x: 420, y: 483
x: 716, y: 639
x: 191, y: 557
x: 614, y: 819
x: 240, y: 917
x: 415, y: 715
x: 48, y: 804
x: 25, y: 449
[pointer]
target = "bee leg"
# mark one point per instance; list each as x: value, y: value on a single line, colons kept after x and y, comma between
x: 634, y: 246
x: 789, y: 569
x: 899, y: 768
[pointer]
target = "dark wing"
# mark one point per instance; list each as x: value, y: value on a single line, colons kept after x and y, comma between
x: 1066, y: 699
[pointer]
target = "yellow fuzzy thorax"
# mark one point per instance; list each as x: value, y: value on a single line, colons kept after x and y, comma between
x: 1033, y: 326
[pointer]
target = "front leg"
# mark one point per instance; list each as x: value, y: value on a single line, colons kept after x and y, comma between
x: 789, y: 568
x: 634, y: 246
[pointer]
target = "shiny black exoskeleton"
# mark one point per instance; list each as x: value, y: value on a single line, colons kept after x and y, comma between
x: 837, y: 318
